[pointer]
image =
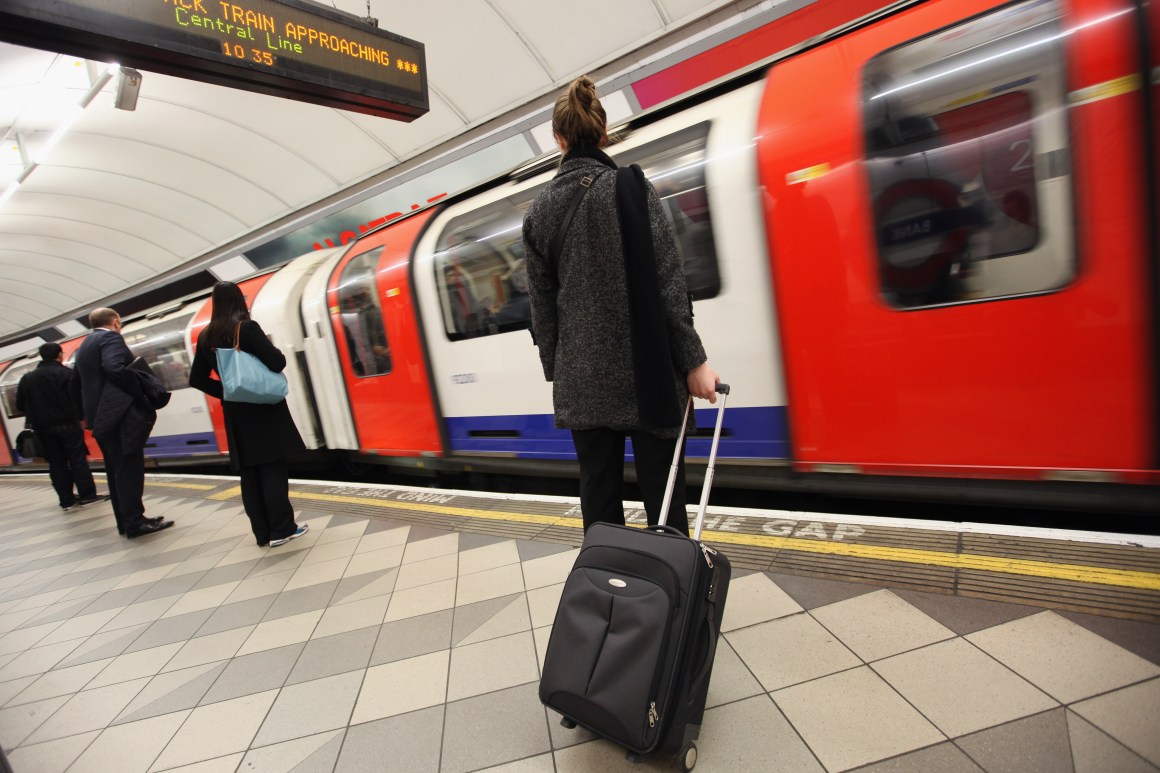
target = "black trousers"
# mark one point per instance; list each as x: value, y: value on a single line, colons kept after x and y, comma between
x: 266, y: 497
x: 601, y: 455
x: 68, y: 464
x: 126, y: 474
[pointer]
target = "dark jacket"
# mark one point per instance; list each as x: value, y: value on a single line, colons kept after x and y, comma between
x: 49, y: 396
x: 257, y: 434
x: 103, y: 357
x: 131, y: 413
x: 580, y: 313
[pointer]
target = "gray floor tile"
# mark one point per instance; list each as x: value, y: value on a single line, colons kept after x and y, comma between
x: 175, y: 691
x: 377, y: 525
x: 492, y: 729
x: 249, y: 674
x: 313, y: 754
x: 350, y: 587
x: 103, y: 645
x: 170, y: 630
x: 114, y: 599
x: 943, y: 758
x: 965, y: 615
x: 171, y: 586
x: 412, y: 637
x: 307, y: 599
x: 420, y: 533
x: 729, y: 744
x: 1036, y: 744
x: 332, y: 655
x: 1128, y: 715
x: 530, y: 550
x: 236, y: 615
x: 469, y: 540
x: 811, y: 592
x: 471, y: 616
x: 1143, y: 639
x: 410, y: 741
x: 1093, y: 750
x: 224, y: 574
x: 310, y: 708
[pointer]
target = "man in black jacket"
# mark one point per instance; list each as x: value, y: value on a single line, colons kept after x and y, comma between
x: 49, y: 398
x: 103, y: 365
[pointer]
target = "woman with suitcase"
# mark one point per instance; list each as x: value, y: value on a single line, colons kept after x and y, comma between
x: 611, y: 316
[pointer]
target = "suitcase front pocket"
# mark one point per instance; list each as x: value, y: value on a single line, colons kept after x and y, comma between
x: 602, y: 660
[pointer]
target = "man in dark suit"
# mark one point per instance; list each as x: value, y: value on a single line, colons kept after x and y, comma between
x: 50, y: 401
x: 103, y: 364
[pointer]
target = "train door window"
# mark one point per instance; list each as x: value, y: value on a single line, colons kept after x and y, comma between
x: 361, y: 314
x: 10, y: 381
x: 967, y: 158
x: 480, y: 272
x: 163, y: 347
x: 676, y: 168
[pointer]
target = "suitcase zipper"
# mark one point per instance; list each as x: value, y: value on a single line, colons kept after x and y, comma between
x: 653, y: 716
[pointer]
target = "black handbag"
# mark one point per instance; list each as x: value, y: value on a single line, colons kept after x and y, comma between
x: 29, y: 446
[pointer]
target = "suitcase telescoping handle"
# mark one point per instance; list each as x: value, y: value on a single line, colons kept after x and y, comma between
x: 723, y: 390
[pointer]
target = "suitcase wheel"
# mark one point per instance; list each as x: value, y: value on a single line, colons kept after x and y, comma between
x: 633, y: 757
x: 567, y: 723
x: 687, y: 758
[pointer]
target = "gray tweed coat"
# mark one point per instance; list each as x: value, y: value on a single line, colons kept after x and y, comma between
x: 580, y: 310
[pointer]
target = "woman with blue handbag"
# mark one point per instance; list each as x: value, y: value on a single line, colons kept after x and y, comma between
x: 259, y: 428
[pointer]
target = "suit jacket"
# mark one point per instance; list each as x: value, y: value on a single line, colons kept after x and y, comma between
x: 103, y: 357
x: 130, y: 413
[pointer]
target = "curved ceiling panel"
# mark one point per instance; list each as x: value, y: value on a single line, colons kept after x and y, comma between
x: 128, y: 195
x: 164, y: 200
x: 174, y: 236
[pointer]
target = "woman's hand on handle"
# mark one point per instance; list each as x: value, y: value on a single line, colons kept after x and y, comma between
x: 702, y: 381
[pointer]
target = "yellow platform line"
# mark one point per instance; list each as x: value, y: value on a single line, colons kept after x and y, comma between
x: 194, y: 486
x: 1096, y: 575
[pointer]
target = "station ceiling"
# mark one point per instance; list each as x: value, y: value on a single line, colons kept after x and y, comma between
x: 127, y: 197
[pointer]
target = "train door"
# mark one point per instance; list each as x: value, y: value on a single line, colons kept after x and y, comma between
x: 373, y: 318
x: 7, y: 447
x: 957, y: 233
x: 278, y: 310
x: 250, y: 288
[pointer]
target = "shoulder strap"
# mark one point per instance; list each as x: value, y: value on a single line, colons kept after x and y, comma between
x: 562, y: 232
x: 237, y: 334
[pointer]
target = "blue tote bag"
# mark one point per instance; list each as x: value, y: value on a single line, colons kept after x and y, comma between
x: 246, y: 380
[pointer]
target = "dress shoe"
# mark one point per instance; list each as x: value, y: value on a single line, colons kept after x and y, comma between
x: 149, y: 527
x: 155, y: 519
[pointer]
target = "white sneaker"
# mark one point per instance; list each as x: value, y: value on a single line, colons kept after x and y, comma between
x: 298, y: 533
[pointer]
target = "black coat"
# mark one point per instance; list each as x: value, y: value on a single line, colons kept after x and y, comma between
x: 103, y: 357
x: 49, y: 396
x: 257, y: 434
x: 580, y: 308
x: 130, y: 413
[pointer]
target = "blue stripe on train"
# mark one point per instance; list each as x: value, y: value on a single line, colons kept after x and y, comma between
x: 181, y: 445
x: 748, y: 433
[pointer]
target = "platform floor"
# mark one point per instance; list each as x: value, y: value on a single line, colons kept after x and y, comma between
x: 404, y: 633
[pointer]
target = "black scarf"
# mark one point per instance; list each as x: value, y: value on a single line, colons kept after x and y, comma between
x: 652, y: 363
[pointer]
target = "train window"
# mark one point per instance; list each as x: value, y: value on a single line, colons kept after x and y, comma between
x: 362, y: 316
x: 479, y: 268
x: 10, y: 381
x: 966, y: 153
x: 479, y: 258
x: 163, y: 347
x: 676, y: 168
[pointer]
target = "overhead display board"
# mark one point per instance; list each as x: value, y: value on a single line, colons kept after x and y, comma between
x: 289, y: 48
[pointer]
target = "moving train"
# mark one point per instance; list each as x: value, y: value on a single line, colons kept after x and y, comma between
x: 922, y: 248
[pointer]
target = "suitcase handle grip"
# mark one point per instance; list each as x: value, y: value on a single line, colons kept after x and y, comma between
x: 665, y: 528
x: 722, y: 389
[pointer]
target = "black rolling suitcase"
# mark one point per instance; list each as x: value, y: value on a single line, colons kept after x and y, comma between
x: 632, y: 646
